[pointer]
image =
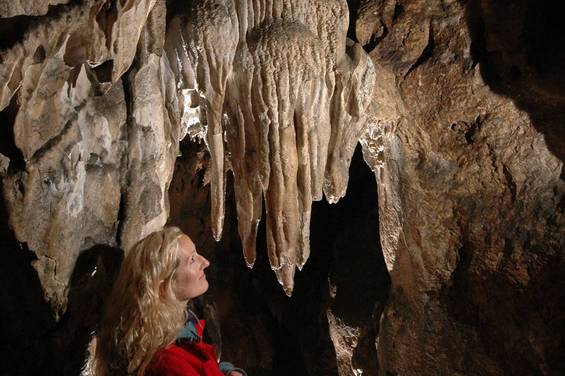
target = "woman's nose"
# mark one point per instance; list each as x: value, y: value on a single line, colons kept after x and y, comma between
x: 205, y: 263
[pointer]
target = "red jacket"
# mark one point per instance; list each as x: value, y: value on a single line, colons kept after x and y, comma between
x: 185, y: 359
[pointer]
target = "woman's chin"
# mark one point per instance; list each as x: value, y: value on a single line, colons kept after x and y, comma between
x: 203, y: 286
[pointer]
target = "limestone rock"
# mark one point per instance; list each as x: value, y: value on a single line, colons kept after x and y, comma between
x: 10, y: 8
x: 93, y: 32
x: 83, y: 155
x: 152, y: 135
x: 470, y: 196
x: 283, y: 103
x: 67, y: 198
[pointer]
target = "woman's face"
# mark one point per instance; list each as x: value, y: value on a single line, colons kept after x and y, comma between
x: 189, y: 280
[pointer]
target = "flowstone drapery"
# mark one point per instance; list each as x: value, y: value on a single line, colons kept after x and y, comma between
x: 279, y: 96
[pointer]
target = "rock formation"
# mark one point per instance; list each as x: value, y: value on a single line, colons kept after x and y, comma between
x: 458, y: 106
x: 468, y: 151
x: 283, y: 104
x: 87, y: 151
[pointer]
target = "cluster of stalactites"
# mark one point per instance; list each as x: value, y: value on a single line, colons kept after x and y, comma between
x: 281, y: 102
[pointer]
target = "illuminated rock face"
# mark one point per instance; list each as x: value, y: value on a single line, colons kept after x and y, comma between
x: 96, y: 148
x: 282, y: 104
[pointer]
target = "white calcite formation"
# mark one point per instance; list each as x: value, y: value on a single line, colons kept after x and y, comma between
x: 280, y: 98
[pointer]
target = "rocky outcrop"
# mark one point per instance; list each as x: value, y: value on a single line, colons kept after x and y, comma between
x: 470, y: 189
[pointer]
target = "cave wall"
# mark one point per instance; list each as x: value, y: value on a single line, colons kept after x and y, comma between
x: 465, y: 140
x: 91, y: 134
x: 470, y: 185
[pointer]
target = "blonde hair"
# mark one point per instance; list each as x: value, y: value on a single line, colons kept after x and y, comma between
x: 138, y: 320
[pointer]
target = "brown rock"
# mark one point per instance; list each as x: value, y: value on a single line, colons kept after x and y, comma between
x: 27, y: 7
x: 466, y: 234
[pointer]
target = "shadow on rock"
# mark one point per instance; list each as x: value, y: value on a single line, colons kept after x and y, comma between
x: 25, y: 316
x: 520, y: 46
x: 91, y: 282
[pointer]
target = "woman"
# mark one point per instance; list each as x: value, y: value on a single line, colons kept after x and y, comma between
x: 147, y: 330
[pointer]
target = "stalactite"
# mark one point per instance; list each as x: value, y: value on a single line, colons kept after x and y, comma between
x: 282, y: 103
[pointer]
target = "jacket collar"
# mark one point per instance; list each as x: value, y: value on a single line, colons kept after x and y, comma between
x: 193, y: 330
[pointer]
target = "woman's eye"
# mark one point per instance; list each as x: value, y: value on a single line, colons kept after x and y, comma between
x: 192, y: 259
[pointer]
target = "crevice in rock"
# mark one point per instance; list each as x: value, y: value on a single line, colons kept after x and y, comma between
x: 7, y: 145
x: 375, y: 40
x: 358, y: 278
x: 103, y: 71
x: 398, y: 10
x: 121, y: 218
x: 125, y: 168
x: 465, y: 310
x: 510, y: 182
x: 353, y: 6
x: 52, y: 143
x: 106, y: 18
x: 14, y: 29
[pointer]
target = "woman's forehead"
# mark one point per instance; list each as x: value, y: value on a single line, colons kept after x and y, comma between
x: 186, y: 244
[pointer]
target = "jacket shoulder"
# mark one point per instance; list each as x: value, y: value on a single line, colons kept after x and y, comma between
x: 173, y: 361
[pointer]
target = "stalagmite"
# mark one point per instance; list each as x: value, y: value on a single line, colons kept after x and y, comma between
x: 283, y: 105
